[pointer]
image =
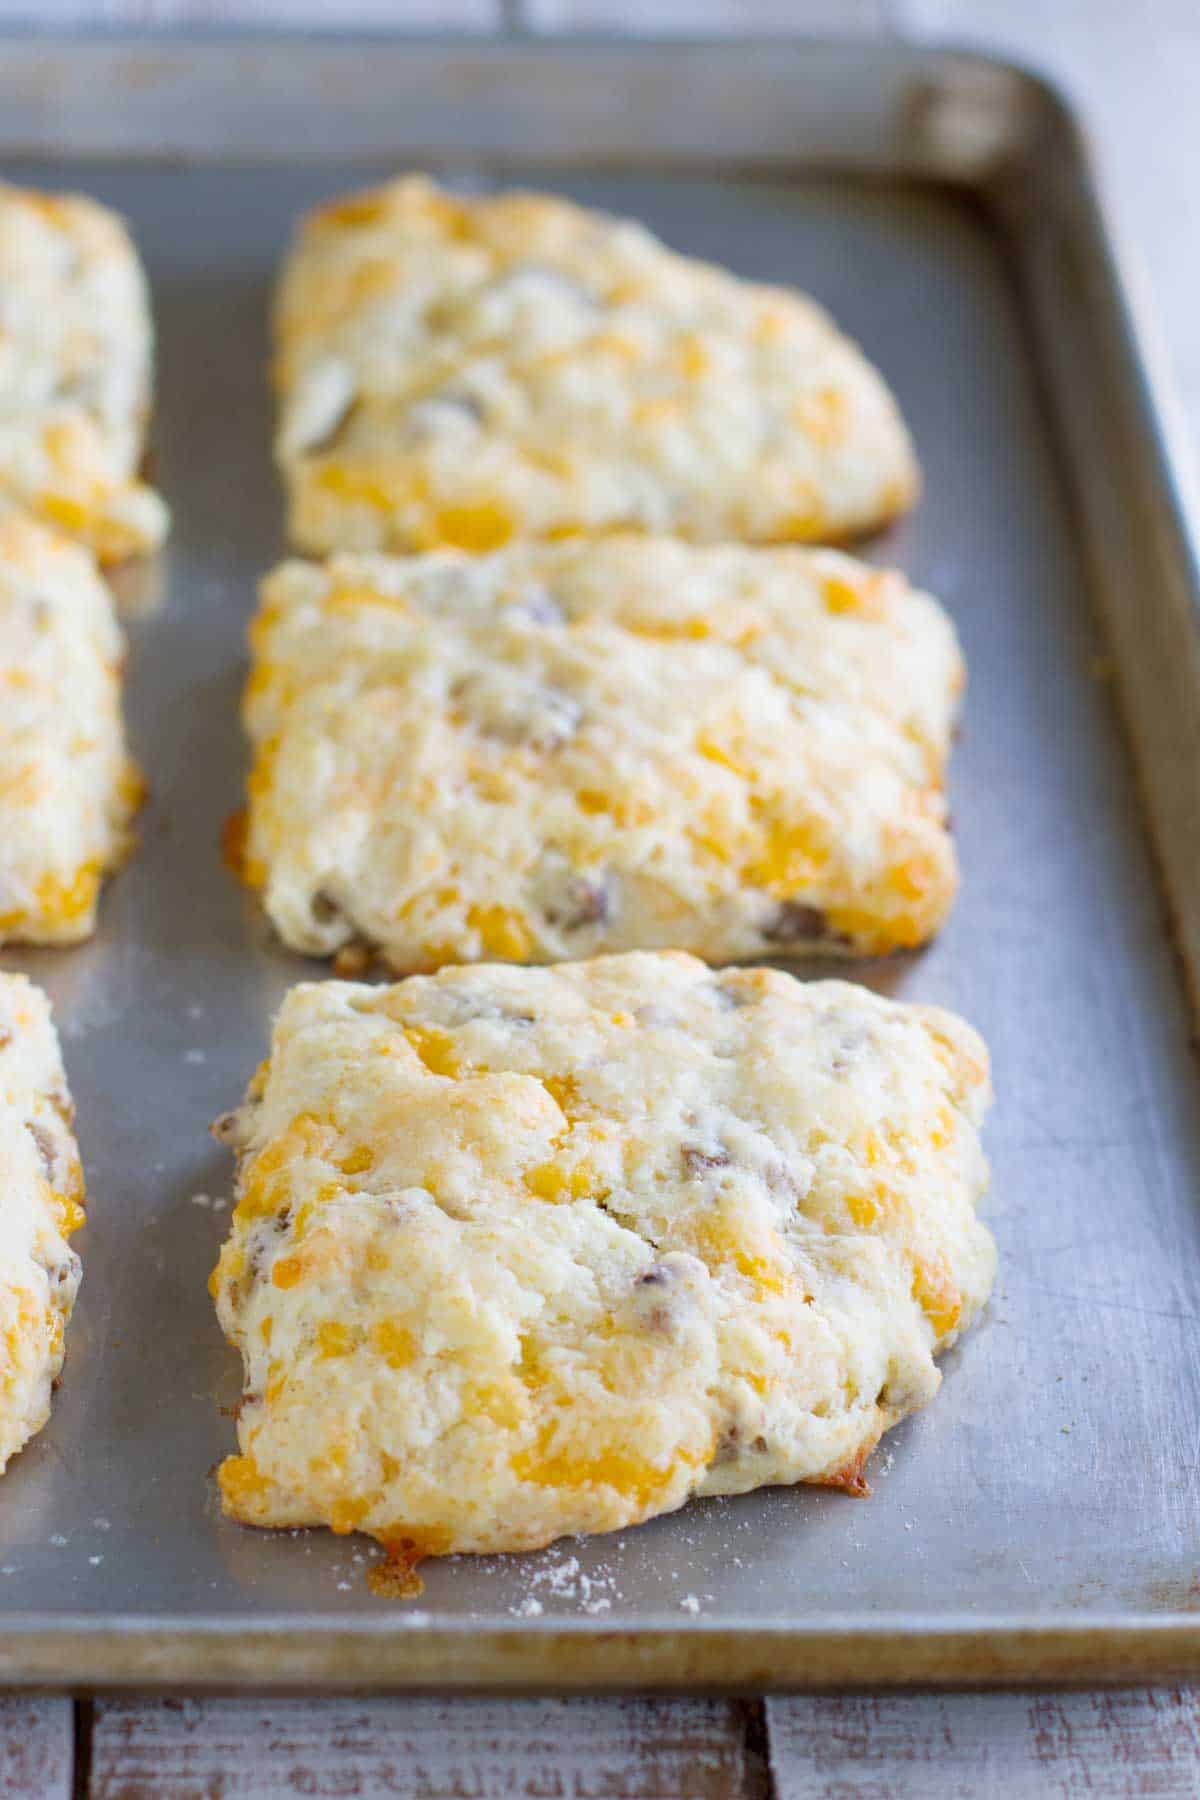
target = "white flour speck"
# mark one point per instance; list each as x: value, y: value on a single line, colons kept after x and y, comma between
x: 59, y: 1541
x: 95, y: 1561
x: 565, y: 1578
x: 689, y: 1604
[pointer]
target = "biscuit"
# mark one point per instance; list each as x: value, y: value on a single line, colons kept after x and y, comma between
x: 41, y: 1204
x: 68, y: 789
x: 523, y: 1252
x: 465, y: 371
x: 76, y: 351
x: 625, y: 743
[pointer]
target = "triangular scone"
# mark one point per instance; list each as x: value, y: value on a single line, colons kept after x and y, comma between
x: 625, y: 743
x: 41, y: 1203
x: 466, y: 371
x: 523, y: 1252
x: 68, y: 789
x: 76, y: 348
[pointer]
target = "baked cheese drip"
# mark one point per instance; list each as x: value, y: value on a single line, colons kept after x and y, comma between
x: 624, y: 743
x: 76, y: 350
x: 466, y: 371
x: 41, y: 1204
x: 68, y: 789
x: 524, y: 1252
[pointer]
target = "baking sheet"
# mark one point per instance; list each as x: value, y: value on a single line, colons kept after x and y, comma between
x: 1041, y: 1516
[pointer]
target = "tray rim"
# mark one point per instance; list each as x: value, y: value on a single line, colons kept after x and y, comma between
x: 311, y: 1653
x: 406, y: 1652
x: 766, y: 55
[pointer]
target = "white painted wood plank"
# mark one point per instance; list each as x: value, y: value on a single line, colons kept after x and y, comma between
x: 739, y: 18
x: 321, y: 15
x: 687, y: 1749
x: 36, y: 1747
x: 1104, y: 1746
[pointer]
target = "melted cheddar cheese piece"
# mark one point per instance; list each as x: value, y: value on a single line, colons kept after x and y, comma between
x: 522, y: 1252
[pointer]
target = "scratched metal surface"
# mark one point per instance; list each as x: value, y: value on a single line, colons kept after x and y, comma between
x: 1055, y: 1481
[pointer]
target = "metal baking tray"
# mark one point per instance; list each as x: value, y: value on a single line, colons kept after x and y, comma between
x: 1042, y: 1519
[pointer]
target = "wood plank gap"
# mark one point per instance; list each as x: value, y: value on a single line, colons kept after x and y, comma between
x: 756, y: 1750
x: 83, y: 1714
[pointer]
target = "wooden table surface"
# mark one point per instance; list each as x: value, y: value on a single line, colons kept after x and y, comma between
x: 1134, y: 66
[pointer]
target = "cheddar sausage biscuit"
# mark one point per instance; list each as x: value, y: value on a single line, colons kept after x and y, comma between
x: 67, y: 786
x: 522, y: 1252
x: 41, y: 1203
x: 464, y: 372
x: 75, y: 367
x: 627, y: 743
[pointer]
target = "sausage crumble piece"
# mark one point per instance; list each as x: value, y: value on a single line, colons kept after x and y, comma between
x: 515, y: 1256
